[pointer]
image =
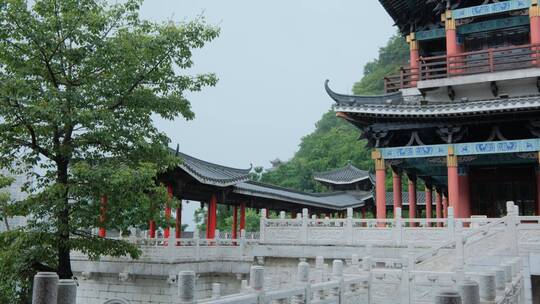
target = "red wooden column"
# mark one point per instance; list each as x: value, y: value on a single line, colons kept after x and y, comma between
x: 168, y: 210
x: 242, y: 216
x: 412, y: 197
x: 452, y: 47
x: 234, y: 222
x: 429, y: 201
x: 414, y: 58
x: 438, y: 205
x: 152, y: 229
x: 464, y: 194
x: 178, y: 224
x: 212, y: 218
x: 102, y: 216
x: 396, y: 186
x: 445, y: 205
x: 534, y: 15
x: 380, y: 189
x: 453, y: 181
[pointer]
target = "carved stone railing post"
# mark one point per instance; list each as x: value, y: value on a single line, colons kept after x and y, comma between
x: 186, y: 287
x: 196, y: 244
x: 45, y: 289
x: 319, y: 268
x: 303, y: 280
x: 500, y: 280
x: 262, y: 227
x: 216, y: 290
x: 512, y: 219
x: 488, y: 289
x: 451, y: 223
x: 447, y: 297
x: 349, y: 226
x: 337, y: 275
x: 256, y: 281
x: 469, y: 292
x: 282, y: 215
x: 242, y: 241
x: 406, y: 276
x: 398, y: 229
x: 460, y: 251
x: 67, y: 292
x: 305, y: 220
x: 171, y: 241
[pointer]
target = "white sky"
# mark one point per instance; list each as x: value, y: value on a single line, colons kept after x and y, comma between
x: 272, y: 58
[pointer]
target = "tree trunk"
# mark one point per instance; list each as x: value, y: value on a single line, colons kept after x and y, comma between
x: 64, y: 259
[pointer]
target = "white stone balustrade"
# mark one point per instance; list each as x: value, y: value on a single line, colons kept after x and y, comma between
x: 352, y: 231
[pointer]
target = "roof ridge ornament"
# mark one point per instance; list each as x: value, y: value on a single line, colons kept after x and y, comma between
x: 355, y: 100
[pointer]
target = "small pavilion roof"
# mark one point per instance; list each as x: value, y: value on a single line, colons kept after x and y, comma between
x: 210, y: 173
x: 342, y: 176
x: 334, y: 200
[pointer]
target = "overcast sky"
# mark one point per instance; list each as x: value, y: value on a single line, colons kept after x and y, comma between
x: 272, y: 58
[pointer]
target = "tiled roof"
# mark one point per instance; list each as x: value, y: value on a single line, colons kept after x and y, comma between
x: 454, y: 109
x: 420, y: 198
x: 336, y: 200
x: 346, y: 175
x: 212, y: 174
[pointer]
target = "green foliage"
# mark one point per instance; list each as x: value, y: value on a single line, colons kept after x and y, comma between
x: 391, y: 57
x: 333, y: 144
x: 80, y: 84
x: 334, y: 141
x: 225, y: 218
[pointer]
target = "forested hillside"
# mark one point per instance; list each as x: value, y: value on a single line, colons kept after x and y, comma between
x: 334, y: 141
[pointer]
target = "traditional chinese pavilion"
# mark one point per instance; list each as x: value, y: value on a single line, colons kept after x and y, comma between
x: 212, y: 184
x: 464, y: 114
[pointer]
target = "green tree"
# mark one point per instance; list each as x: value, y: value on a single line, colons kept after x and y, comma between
x: 5, y: 207
x: 80, y: 82
x: 225, y: 218
x: 334, y: 141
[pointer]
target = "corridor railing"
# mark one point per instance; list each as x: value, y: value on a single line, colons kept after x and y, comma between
x: 468, y: 63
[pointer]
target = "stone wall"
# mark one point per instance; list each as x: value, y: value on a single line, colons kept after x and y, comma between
x: 148, y: 289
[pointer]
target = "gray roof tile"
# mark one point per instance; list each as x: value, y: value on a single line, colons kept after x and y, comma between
x: 210, y: 173
x: 454, y: 109
x: 336, y: 200
x: 346, y: 175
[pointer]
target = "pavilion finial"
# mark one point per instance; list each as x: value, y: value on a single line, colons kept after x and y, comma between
x: 177, y: 149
